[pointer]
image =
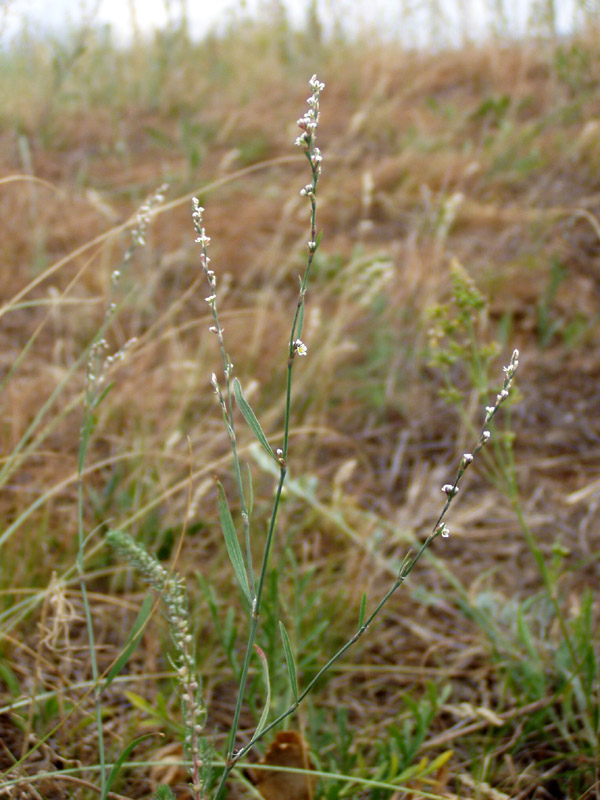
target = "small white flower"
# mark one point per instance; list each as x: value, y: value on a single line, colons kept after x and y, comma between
x: 316, y: 85
x: 300, y: 348
x: 450, y: 489
x: 203, y: 239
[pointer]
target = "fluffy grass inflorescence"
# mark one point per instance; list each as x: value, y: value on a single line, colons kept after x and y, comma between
x: 459, y: 211
x: 172, y: 593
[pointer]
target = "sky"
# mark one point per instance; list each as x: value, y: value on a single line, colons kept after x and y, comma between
x: 58, y: 15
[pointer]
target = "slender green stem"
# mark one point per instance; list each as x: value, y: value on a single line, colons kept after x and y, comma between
x: 86, y: 604
x: 438, y: 529
x: 255, y: 615
x: 311, y: 154
x: 231, y: 760
x: 404, y: 573
x: 308, y: 125
x: 300, y: 303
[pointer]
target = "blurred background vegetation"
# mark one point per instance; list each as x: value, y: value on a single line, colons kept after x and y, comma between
x: 459, y: 207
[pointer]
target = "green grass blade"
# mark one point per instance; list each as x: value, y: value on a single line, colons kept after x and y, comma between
x: 289, y: 659
x: 132, y: 641
x: 233, y: 546
x: 8, y: 677
x: 119, y: 763
x: 250, y: 418
x: 363, y: 610
x: 262, y: 722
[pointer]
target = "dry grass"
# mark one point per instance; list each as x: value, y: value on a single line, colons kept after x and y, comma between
x: 513, y: 131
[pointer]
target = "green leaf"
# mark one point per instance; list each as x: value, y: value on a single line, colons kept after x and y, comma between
x: 250, y: 418
x: 9, y: 678
x: 137, y: 701
x: 103, y: 394
x: 262, y: 722
x: 119, y: 763
x: 289, y: 659
x: 362, y: 612
x: 233, y: 546
x: 132, y: 641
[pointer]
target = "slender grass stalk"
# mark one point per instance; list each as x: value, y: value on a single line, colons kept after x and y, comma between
x: 98, y: 364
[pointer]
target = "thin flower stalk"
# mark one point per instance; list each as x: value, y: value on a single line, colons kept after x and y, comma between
x: 225, y: 401
x: 308, y: 125
x: 439, y: 529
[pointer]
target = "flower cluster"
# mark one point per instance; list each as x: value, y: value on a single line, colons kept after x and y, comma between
x: 452, y: 489
x: 309, y: 122
x: 203, y: 240
x: 509, y: 373
x: 138, y: 234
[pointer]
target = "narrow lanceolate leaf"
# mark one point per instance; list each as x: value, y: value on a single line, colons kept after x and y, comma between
x: 119, y: 763
x: 231, y: 543
x: 131, y: 643
x: 362, y: 612
x: 103, y: 394
x: 250, y: 418
x: 289, y: 660
x: 265, y: 712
